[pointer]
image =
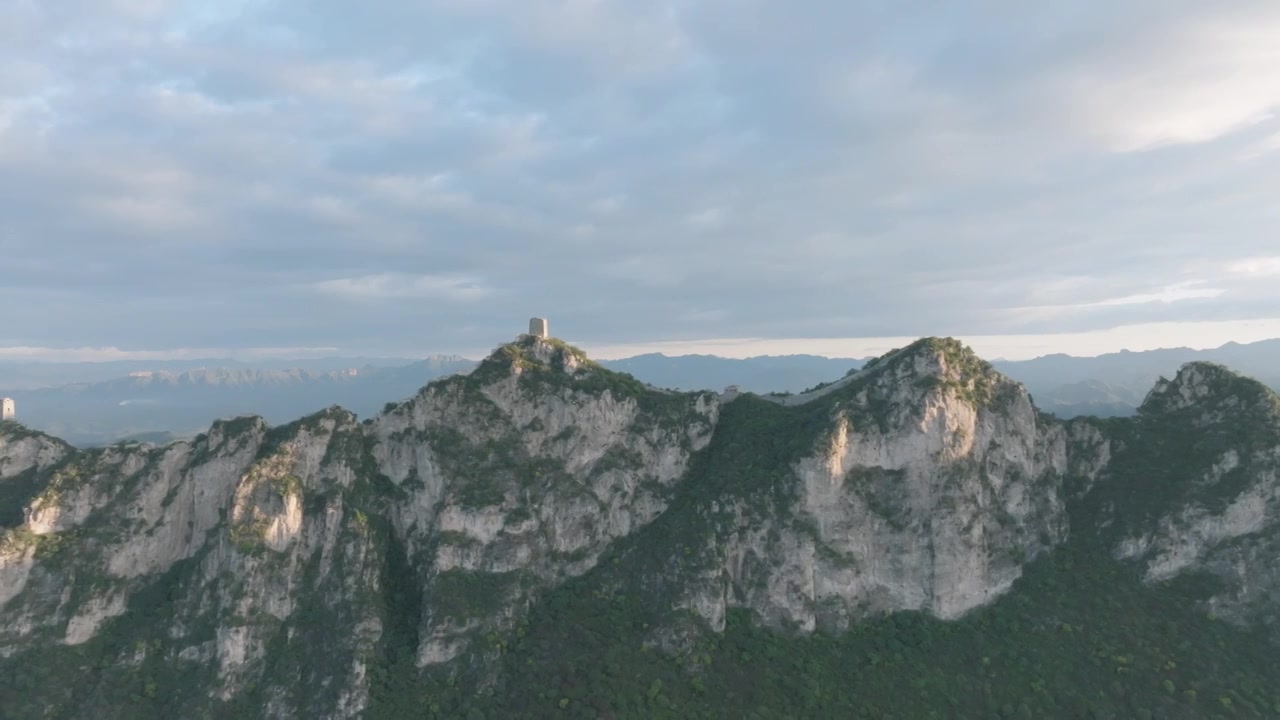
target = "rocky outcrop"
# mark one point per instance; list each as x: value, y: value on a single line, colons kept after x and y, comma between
x: 520, y: 475
x: 130, y: 502
x: 492, y: 486
x: 254, y: 561
x: 1206, y: 459
x: 933, y: 482
x: 23, y: 450
x: 220, y: 522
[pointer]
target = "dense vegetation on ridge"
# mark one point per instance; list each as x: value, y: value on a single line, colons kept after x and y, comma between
x: 1079, y: 635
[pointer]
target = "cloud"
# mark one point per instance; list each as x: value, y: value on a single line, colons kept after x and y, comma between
x: 1170, y: 294
x: 708, y: 219
x: 1135, y: 338
x: 395, y: 286
x: 108, y: 354
x: 1261, y: 267
x: 1192, y: 78
x: 1139, y: 337
x: 1163, y: 296
x: 419, y: 175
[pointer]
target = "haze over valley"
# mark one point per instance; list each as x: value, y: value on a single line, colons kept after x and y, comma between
x: 159, y: 405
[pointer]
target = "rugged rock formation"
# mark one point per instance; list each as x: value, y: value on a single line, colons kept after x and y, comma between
x: 297, y: 571
x: 934, y: 481
x: 25, y: 452
x: 492, y: 486
x: 521, y: 474
x: 924, y: 482
x: 1197, y: 490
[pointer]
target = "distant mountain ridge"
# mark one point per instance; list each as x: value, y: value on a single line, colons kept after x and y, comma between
x: 35, y: 374
x: 183, y: 399
x: 1115, y: 383
x: 546, y: 538
x: 183, y: 403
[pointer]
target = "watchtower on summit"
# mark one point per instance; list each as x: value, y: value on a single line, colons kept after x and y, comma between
x: 538, y: 327
x: 7, y: 411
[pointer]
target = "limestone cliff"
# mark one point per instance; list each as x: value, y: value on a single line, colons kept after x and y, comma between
x: 521, y: 474
x: 1196, y: 490
x: 317, y: 568
x: 271, y: 546
x: 23, y: 451
x: 924, y: 482
x: 218, y: 526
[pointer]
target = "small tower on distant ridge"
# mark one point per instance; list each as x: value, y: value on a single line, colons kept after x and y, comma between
x: 7, y: 411
x: 538, y: 327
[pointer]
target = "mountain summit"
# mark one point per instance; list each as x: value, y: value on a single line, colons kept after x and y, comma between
x: 545, y: 537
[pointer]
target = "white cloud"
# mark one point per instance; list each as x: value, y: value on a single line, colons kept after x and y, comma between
x: 1046, y: 312
x: 1195, y: 79
x: 391, y: 286
x: 1262, y: 267
x: 708, y: 219
x: 107, y: 354
x: 883, y: 172
x: 1169, y: 294
x: 1136, y: 338
x: 608, y: 205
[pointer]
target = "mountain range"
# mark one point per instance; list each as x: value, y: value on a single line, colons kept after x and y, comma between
x: 179, y: 399
x: 160, y: 404
x: 544, y: 537
x: 36, y: 374
x: 1116, y: 383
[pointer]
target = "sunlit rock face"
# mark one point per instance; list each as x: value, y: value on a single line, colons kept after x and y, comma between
x: 259, y: 560
x: 520, y: 475
x: 932, y: 483
x: 489, y: 488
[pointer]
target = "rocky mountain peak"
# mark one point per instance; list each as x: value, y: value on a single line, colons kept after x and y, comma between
x: 530, y: 353
x: 958, y: 359
x: 942, y: 357
x: 368, y: 562
x: 906, y: 376
x: 23, y: 449
x: 1211, y: 391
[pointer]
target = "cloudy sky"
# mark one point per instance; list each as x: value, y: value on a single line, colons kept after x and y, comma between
x: 395, y: 177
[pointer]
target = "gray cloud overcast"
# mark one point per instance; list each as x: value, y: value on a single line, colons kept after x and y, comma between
x: 401, y: 177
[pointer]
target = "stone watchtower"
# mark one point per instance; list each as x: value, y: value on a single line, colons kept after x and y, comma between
x: 7, y: 411
x: 538, y: 327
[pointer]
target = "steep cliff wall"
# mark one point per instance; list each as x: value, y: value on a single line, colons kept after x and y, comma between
x: 238, y: 531
x: 478, y: 493
x: 321, y: 568
x: 925, y: 482
x: 1196, y: 491
x: 521, y: 474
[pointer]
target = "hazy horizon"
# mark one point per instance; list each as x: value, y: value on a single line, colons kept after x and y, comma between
x: 1138, y: 338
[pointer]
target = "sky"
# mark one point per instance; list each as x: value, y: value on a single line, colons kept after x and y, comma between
x: 262, y: 178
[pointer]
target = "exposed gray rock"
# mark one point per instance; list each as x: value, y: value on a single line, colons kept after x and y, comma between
x: 532, y: 488
x: 928, y: 483
x: 935, y: 482
x: 1225, y: 519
